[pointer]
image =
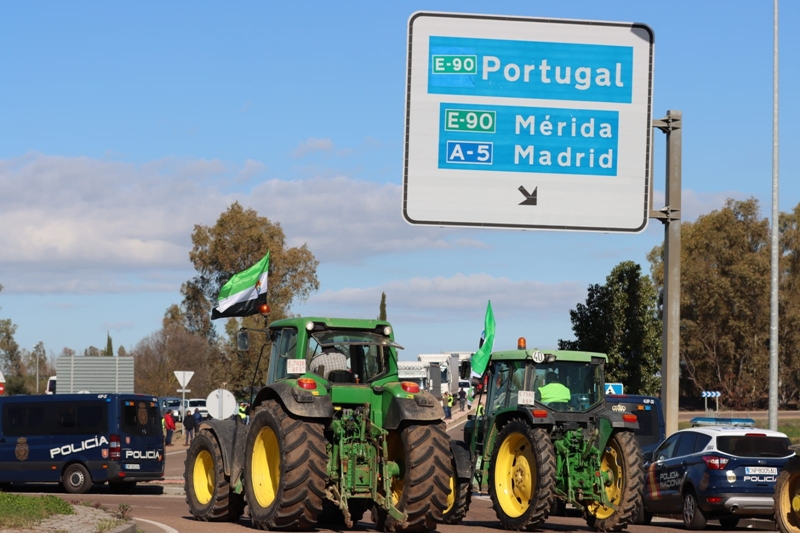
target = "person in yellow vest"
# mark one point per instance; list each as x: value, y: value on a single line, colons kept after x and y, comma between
x: 243, y: 412
x: 553, y: 390
x: 451, y: 401
x: 479, y: 410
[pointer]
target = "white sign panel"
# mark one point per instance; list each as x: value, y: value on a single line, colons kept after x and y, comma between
x: 528, y: 123
x: 183, y: 377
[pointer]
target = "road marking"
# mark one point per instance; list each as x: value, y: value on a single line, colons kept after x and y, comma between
x: 158, y: 524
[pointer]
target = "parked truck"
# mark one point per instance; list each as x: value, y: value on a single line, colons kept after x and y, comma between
x: 324, y: 445
x: 534, y: 453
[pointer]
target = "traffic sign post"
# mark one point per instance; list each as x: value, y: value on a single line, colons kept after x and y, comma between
x: 711, y: 394
x: 183, y: 377
x: 528, y: 123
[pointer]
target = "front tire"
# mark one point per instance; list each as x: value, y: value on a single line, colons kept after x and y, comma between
x: 286, y: 469
x: 208, y: 490
x: 421, y: 491
x: 621, y: 464
x: 76, y: 479
x: 787, y: 498
x: 460, y: 497
x: 522, y: 475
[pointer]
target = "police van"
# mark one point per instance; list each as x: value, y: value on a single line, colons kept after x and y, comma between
x: 81, y: 439
x: 650, y: 414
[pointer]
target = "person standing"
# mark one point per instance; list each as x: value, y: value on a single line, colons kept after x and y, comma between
x: 189, y: 424
x: 169, y: 425
x: 462, y: 398
x: 446, y: 405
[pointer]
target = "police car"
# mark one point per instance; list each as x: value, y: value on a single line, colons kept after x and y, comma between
x: 716, y: 470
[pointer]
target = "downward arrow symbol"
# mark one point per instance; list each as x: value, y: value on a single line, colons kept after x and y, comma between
x: 530, y: 199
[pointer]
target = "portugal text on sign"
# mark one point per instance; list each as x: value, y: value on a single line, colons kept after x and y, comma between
x: 521, y: 69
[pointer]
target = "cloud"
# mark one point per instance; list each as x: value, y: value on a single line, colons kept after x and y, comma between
x: 456, y: 297
x: 83, y: 225
x: 321, y: 212
x: 310, y: 145
x: 251, y: 168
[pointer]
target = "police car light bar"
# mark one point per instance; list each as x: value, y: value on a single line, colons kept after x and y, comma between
x: 700, y: 421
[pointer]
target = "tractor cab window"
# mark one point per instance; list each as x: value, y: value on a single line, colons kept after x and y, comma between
x: 499, y: 386
x: 568, y: 385
x: 284, y: 345
x: 344, y: 356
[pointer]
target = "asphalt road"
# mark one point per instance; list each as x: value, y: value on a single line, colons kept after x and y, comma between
x: 162, y: 508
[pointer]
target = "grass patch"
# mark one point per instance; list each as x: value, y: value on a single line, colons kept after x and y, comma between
x: 19, y: 511
x: 108, y: 525
x: 790, y: 426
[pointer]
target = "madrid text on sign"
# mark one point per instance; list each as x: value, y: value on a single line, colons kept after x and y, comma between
x: 528, y: 139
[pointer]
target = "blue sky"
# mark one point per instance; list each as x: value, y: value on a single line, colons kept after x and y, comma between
x: 121, y: 127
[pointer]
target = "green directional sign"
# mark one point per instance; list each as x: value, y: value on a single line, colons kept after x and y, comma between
x: 470, y: 120
x: 454, y: 64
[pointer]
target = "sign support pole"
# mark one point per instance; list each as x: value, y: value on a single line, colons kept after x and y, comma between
x: 670, y: 216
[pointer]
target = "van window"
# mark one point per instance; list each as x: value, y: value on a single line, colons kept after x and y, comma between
x: 22, y: 420
x: 140, y: 418
x: 79, y: 417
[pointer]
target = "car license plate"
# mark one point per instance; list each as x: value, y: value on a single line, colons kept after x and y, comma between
x: 132, y: 467
x: 760, y: 470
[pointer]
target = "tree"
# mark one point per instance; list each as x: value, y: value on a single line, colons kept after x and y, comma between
x: 109, y: 345
x: 11, y: 361
x: 173, y: 348
x: 382, y: 312
x: 620, y: 319
x: 724, y: 324
x: 238, y: 240
x: 789, y: 308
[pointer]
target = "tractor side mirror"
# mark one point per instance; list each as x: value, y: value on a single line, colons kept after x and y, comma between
x: 243, y: 341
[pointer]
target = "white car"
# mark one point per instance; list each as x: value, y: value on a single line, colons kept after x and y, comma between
x: 196, y: 403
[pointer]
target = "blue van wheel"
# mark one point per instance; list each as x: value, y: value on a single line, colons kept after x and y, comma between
x: 76, y: 479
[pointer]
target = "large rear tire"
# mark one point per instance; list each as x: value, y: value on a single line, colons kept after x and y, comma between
x: 522, y: 475
x: 787, y: 497
x: 621, y: 464
x: 286, y: 469
x: 423, y: 453
x: 208, y: 489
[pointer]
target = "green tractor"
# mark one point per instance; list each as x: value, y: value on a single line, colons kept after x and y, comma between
x: 546, y: 439
x: 787, y: 495
x: 334, y: 433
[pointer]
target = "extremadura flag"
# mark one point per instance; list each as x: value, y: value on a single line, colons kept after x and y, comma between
x: 244, y: 292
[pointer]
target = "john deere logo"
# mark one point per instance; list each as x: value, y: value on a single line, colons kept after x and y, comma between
x: 142, y: 414
x: 21, y: 451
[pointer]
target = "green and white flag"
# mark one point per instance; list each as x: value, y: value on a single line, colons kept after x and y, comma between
x: 244, y: 292
x: 480, y: 359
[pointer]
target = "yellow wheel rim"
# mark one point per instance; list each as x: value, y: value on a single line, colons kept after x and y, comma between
x: 451, y: 497
x: 515, y: 474
x: 203, y: 477
x: 265, y: 467
x: 394, y: 446
x: 789, y: 498
x: 611, y: 466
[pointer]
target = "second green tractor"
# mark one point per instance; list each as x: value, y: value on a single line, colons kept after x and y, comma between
x: 537, y: 451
